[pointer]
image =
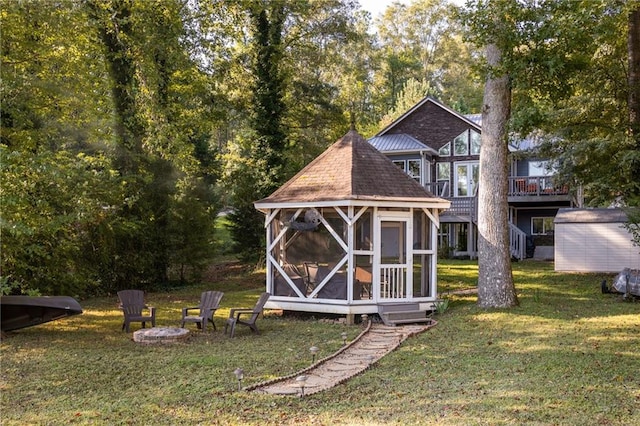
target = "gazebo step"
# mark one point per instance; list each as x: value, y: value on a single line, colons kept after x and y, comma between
x: 402, y: 314
x: 398, y: 307
x: 405, y: 315
x: 405, y: 318
x: 409, y: 321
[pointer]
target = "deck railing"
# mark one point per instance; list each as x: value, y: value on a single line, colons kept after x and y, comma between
x: 439, y: 189
x: 518, y: 186
x: 534, y: 186
x: 463, y: 206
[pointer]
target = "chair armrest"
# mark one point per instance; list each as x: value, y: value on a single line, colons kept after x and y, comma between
x: 185, y: 311
x: 236, y: 312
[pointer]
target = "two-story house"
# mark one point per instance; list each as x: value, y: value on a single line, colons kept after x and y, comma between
x: 440, y: 148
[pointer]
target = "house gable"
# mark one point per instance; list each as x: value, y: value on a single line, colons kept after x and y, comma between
x: 431, y: 123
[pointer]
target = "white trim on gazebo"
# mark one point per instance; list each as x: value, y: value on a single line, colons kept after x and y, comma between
x: 353, y: 203
x: 312, y: 302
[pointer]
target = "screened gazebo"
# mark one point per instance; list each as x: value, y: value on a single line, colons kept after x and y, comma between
x: 349, y: 233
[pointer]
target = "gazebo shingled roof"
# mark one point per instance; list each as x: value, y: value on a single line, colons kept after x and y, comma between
x: 350, y: 169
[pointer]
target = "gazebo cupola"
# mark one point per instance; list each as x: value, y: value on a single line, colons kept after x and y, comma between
x: 351, y: 232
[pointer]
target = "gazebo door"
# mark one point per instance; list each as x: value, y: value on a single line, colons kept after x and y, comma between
x: 394, y: 279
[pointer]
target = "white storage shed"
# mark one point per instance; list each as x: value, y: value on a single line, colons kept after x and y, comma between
x: 593, y: 240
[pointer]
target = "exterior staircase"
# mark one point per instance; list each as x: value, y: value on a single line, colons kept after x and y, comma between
x: 402, y: 313
x: 517, y: 242
x: 466, y: 209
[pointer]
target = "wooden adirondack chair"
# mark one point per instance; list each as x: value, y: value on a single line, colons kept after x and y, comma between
x: 132, y: 305
x: 209, y: 303
x: 234, y: 316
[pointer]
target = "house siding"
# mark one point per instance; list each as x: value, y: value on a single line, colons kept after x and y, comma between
x: 434, y: 125
x: 431, y: 125
x: 525, y: 215
x: 404, y: 157
x: 594, y: 247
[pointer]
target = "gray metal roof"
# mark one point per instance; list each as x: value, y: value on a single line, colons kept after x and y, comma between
x: 476, y: 118
x: 399, y: 142
x: 590, y: 216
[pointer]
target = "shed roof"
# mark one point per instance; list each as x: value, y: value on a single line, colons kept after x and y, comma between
x: 590, y: 216
x: 350, y: 169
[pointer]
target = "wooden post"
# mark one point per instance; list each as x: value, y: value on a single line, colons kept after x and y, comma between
x: 350, y: 319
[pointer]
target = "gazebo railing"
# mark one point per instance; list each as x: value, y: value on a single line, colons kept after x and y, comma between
x: 392, y: 281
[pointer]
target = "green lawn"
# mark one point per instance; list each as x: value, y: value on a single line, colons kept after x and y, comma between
x: 568, y: 355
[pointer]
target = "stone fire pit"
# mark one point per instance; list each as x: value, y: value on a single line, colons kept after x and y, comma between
x: 160, y: 335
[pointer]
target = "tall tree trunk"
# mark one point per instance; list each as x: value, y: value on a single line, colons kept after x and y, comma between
x: 113, y: 31
x: 268, y: 112
x: 142, y: 246
x: 495, y: 280
x: 633, y: 48
x: 269, y: 106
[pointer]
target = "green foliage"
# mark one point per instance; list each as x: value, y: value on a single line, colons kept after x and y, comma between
x: 155, y: 96
x: 108, y: 178
x: 445, y: 251
x: 570, y: 86
x: 633, y: 223
x: 266, y: 150
x: 53, y: 92
x: 412, y: 92
x: 245, y: 223
x: 268, y: 107
x: 423, y: 41
x: 52, y: 204
x: 442, y: 305
x: 172, y: 210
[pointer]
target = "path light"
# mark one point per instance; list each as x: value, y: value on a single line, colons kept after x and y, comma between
x: 314, y: 350
x: 344, y: 338
x: 301, y: 381
x: 239, y: 373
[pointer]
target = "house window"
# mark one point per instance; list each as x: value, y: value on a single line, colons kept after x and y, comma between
x: 467, y: 143
x: 461, y: 144
x: 400, y: 164
x: 467, y: 176
x: 410, y: 167
x: 445, y: 150
x: 443, y: 171
x: 443, y: 236
x: 541, y: 225
x: 413, y: 169
x: 538, y: 168
x: 474, y: 140
x: 544, y: 171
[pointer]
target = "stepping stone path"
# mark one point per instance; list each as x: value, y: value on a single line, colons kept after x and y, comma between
x: 373, y: 343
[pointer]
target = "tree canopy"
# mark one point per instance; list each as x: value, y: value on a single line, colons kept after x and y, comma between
x: 128, y: 124
x: 552, y: 67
